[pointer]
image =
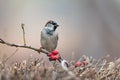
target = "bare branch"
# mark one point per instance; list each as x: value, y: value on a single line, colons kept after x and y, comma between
x: 1, y: 41
x: 23, y: 46
x: 22, y: 25
x: 10, y: 55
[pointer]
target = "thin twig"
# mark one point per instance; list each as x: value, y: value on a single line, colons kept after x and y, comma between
x: 22, y: 25
x: 10, y: 55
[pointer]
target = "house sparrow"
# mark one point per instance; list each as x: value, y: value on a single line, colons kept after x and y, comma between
x: 49, y: 36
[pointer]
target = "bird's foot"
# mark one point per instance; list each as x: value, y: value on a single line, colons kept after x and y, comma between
x: 39, y: 50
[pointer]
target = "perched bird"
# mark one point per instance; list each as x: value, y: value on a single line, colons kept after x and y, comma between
x: 49, y: 36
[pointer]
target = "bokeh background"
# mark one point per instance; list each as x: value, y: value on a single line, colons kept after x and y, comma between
x: 89, y: 27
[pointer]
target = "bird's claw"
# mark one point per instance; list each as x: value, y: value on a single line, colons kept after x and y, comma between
x: 39, y: 50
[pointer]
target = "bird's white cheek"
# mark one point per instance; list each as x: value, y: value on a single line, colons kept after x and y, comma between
x: 50, y: 28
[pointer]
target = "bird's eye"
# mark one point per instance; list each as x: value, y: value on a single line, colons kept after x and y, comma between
x: 54, y: 23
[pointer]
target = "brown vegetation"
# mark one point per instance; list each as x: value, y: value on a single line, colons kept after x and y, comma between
x: 38, y: 70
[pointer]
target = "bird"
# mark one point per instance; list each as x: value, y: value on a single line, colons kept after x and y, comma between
x: 49, y: 36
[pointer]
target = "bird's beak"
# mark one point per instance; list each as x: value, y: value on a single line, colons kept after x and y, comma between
x: 57, y: 25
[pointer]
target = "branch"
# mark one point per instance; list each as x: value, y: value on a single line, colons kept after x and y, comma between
x: 22, y: 25
x: 10, y: 56
x: 23, y: 46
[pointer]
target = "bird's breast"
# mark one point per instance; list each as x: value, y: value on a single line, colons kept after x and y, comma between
x: 49, y: 42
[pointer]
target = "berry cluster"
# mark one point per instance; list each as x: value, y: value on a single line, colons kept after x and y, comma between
x: 54, y: 55
x: 81, y: 63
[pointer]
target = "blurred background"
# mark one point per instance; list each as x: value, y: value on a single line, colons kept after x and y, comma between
x: 89, y: 27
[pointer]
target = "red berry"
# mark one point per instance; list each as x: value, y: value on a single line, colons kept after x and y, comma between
x: 78, y: 64
x: 55, y: 57
x: 50, y: 54
x: 84, y: 62
x: 55, y: 52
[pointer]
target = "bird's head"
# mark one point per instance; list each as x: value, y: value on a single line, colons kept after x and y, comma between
x: 51, y: 25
